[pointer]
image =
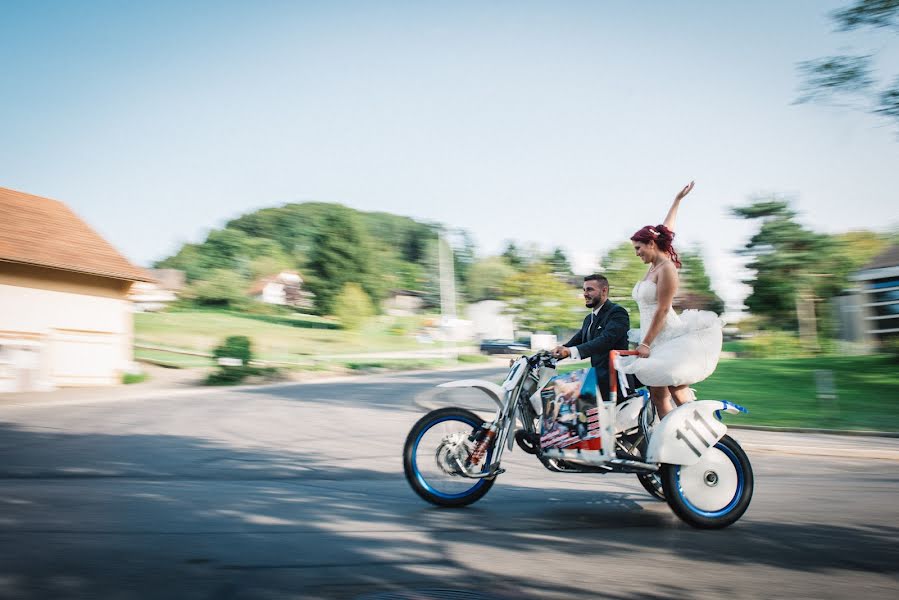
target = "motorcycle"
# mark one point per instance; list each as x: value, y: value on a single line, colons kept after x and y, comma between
x: 452, y: 457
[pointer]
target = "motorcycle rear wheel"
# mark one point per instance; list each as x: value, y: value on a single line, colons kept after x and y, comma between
x: 716, y: 491
x: 435, y: 446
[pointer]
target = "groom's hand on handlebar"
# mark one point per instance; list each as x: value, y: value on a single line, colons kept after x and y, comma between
x: 560, y: 352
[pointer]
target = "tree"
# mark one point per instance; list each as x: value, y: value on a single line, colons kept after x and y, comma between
x: 540, y: 302
x: 487, y: 278
x: 793, y: 265
x: 353, y: 307
x: 695, y: 290
x: 624, y: 270
x: 222, y: 287
x: 851, y: 75
x: 340, y: 254
x: 558, y: 262
x: 513, y: 256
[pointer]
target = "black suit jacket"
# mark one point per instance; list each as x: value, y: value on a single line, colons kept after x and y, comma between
x: 607, y: 332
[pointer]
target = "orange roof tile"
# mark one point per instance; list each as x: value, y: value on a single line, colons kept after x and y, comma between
x: 45, y: 232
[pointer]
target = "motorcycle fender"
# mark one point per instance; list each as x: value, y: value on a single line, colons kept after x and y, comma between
x: 495, y: 392
x: 685, y: 434
x: 627, y: 414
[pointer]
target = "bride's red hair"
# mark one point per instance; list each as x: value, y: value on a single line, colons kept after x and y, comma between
x: 662, y: 236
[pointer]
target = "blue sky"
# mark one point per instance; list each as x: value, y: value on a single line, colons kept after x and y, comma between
x: 558, y: 123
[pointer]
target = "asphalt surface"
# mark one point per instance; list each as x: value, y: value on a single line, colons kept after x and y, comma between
x: 296, y: 491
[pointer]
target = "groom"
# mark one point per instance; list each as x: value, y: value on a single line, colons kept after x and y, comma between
x: 604, y: 329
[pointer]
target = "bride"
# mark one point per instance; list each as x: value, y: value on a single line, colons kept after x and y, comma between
x: 674, y: 350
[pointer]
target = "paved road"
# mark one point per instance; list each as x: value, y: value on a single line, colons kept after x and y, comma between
x: 297, y: 491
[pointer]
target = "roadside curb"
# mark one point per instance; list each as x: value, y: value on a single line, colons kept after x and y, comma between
x: 823, y: 451
x: 110, y: 395
x: 846, y: 432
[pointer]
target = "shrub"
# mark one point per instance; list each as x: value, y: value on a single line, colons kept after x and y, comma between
x: 238, y: 348
x: 772, y: 344
x: 235, y: 346
x: 891, y: 347
x: 129, y: 378
x: 353, y: 306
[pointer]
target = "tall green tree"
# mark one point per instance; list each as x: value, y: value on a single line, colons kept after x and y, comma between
x: 558, y: 262
x: 340, y: 254
x: 790, y: 262
x: 513, y: 256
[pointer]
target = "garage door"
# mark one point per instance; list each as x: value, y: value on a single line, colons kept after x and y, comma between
x: 85, y: 358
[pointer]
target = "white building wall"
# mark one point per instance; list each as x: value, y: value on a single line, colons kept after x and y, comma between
x: 56, y: 338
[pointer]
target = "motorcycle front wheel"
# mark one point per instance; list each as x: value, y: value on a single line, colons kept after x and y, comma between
x: 435, y: 453
x: 714, y: 492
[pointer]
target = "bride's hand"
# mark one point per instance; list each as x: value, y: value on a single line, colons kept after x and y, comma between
x: 687, y: 189
x: 643, y: 351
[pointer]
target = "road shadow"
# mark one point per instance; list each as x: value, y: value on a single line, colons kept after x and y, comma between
x: 163, y: 516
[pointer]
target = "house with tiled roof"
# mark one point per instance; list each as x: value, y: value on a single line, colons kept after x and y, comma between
x: 65, y: 319
x: 284, y: 288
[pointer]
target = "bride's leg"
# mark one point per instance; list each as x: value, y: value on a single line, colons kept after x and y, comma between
x: 661, y: 399
x: 681, y: 394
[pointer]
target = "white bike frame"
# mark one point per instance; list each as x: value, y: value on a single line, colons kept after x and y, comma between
x: 682, y: 438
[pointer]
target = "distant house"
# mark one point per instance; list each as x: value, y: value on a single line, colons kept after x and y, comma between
x: 284, y: 289
x: 404, y: 303
x: 151, y: 296
x: 65, y: 319
x: 878, y: 296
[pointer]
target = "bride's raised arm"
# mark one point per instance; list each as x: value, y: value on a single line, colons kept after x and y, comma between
x: 671, y: 217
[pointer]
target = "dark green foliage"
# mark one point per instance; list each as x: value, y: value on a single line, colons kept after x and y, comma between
x: 513, y: 256
x: 788, y: 260
x: 851, y: 75
x: 791, y: 261
x: 891, y: 347
x: 219, y: 288
x: 558, y: 262
x: 328, y: 244
x: 340, y: 254
x: 695, y: 289
x: 234, y: 347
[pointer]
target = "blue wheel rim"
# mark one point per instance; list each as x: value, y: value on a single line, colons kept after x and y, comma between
x: 741, y: 482
x: 424, y: 482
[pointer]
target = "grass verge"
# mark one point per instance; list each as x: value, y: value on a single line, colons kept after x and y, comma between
x: 783, y: 393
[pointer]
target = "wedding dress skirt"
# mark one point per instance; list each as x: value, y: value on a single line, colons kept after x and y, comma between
x: 687, y: 349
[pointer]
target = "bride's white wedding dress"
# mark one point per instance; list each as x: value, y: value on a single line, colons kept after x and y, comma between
x: 686, y: 351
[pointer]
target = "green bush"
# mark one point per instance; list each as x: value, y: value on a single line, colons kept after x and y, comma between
x: 891, y: 347
x: 772, y: 344
x: 234, y: 347
x: 353, y: 307
x: 129, y: 378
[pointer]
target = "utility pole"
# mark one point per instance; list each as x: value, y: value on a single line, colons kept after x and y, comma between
x: 447, y: 291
